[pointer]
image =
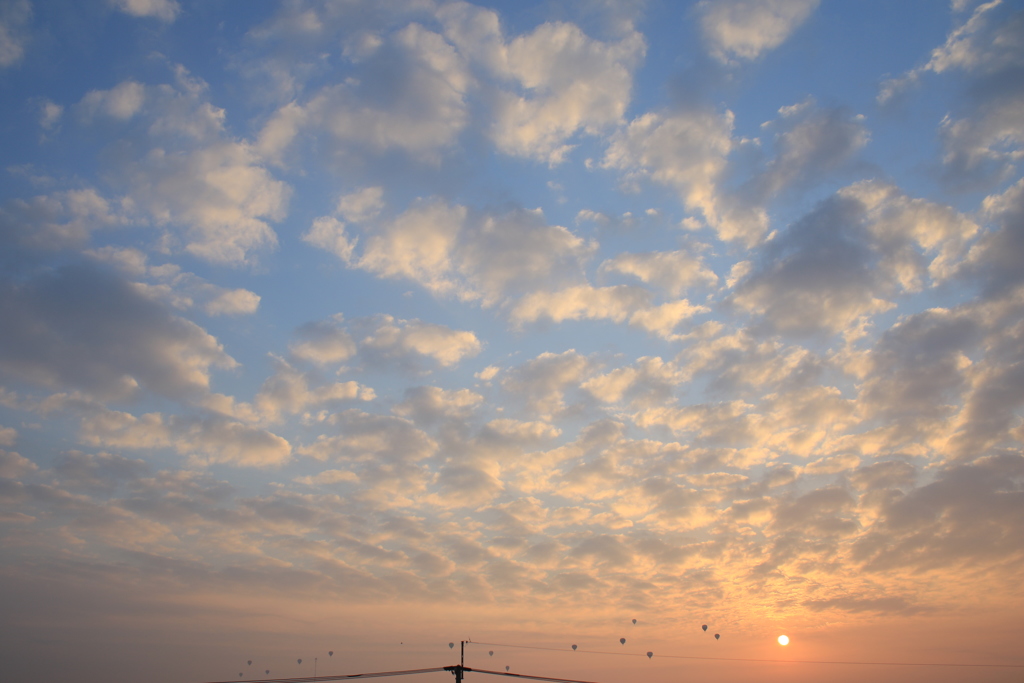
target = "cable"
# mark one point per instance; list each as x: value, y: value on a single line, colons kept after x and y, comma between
x: 536, y: 678
x: 739, y: 659
x: 316, y: 679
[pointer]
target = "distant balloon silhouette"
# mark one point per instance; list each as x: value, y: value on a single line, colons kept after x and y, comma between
x: 300, y: 661
x: 507, y: 668
x: 634, y: 622
x: 451, y: 645
x: 490, y: 653
x: 574, y: 648
x: 330, y: 653
x: 649, y: 655
x: 704, y: 626
x: 622, y: 640
x: 249, y: 662
x: 267, y: 672
x: 717, y: 636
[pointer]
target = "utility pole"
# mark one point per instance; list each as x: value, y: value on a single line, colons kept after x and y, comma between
x: 460, y: 668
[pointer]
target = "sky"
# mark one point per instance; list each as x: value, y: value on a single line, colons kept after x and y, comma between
x: 367, y: 327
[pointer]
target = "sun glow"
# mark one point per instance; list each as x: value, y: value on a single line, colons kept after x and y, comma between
x: 783, y: 640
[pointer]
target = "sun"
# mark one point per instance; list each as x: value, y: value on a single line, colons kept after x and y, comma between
x: 783, y: 640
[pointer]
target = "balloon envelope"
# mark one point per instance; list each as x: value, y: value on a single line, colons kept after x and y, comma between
x: 634, y: 622
x: 300, y: 661
x: 490, y: 653
x: 451, y: 645
x: 704, y: 626
x: 649, y: 655
x: 507, y: 668
x: 622, y: 640
x: 249, y: 662
x: 330, y: 653
x: 574, y: 648
x: 717, y: 636
x: 268, y: 672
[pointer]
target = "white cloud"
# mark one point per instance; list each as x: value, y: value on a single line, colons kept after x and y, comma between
x: 452, y: 251
x: 673, y: 271
x: 388, y: 339
x: 164, y: 10
x: 50, y: 114
x: 568, y: 81
x: 745, y: 29
x: 121, y: 102
x: 288, y: 392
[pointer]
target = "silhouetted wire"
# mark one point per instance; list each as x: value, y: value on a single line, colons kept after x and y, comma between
x: 536, y: 678
x: 312, y: 679
x: 741, y: 659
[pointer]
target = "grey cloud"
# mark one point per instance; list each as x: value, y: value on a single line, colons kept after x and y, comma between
x: 856, y: 604
x: 14, y: 31
x: 971, y: 514
x: 80, y: 327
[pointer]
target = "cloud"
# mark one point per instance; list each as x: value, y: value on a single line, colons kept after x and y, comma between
x: 686, y: 151
x: 673, y: 271
x: 452, y: 251
x: 60, y: 220
x: 746, y: 29
x: 409, y: 96
x: 982, y: 147
x: 179, y: 289
x: 542, y: 382
x: 288, y: 392
x: 77, y: 327
x: 430, y: 404
x: 843, y: 261
x: 207, y: 440
x: 567, y: 82
x: 969, y: 515
x: 387, y: 339
x: 323, y: 342
x: 164, y: 10
x: 14, y: 35
x: 212, y: 188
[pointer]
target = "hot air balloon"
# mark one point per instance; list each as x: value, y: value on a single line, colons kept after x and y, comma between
x: 507, y: 668
x: 451, y: 645
x: 330, y: 653
x: 490, y: 653
x: 249, y: 662
x: 717, y: 636
x: 268, y: 672
x: 704, y: 626
x: 300, y: 661
x: 649, y: 655
x: 634, y: 622
x: 574, y: 648
x: 622, y: 640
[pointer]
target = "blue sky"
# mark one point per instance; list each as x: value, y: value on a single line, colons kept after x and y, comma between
x: 336, y: 325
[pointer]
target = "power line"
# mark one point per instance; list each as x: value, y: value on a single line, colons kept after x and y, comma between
x: 317, y: 679
x: 740, y: 659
